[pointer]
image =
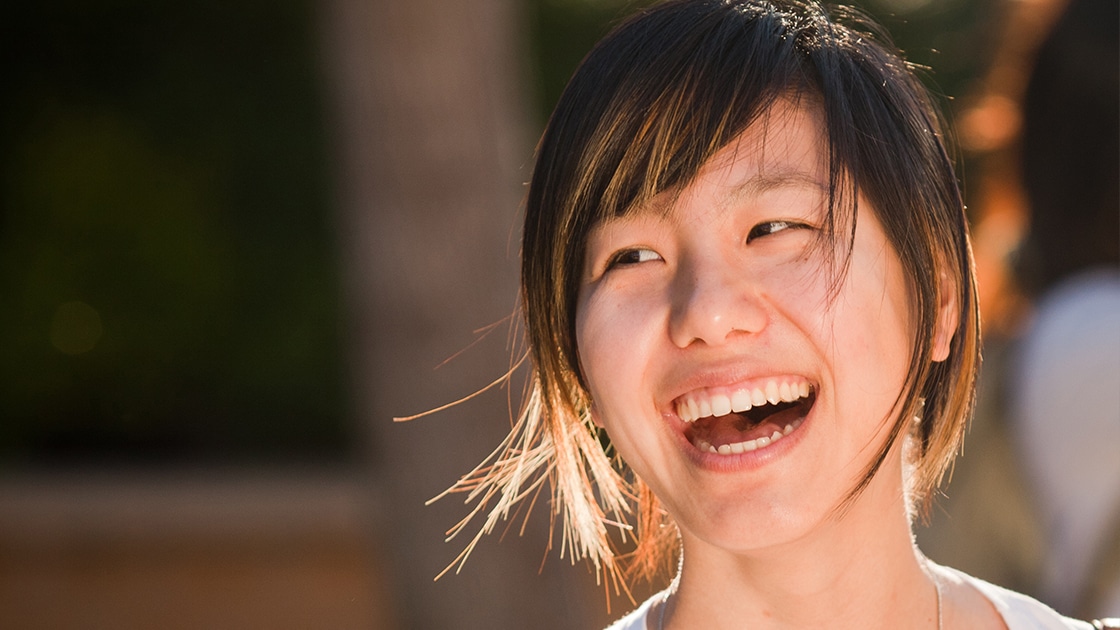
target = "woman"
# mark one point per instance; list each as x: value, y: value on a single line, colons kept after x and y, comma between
x: 746, y: 262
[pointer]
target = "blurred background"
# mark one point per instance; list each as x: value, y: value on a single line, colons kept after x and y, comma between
x: 237, y: 238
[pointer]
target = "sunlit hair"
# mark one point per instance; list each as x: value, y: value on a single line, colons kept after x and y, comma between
x: 650, y: 104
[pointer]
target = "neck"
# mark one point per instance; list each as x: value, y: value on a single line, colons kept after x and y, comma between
x: 857, y: 569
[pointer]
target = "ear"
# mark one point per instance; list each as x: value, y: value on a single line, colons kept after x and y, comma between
x: 948, y: 316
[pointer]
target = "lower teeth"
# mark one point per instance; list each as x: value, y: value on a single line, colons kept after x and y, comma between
x: 749, y: 445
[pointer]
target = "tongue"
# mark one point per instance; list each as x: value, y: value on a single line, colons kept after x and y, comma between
x: 738, y: 427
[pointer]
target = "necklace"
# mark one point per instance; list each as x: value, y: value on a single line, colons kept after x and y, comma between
x: 669, y: 592
x: 936, y: 585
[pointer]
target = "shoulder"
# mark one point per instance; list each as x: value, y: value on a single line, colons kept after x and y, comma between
x: 1019, y: 611
x: 636, y: 620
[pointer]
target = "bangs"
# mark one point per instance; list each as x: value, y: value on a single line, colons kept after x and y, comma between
x: 647, y: 108
x: 698, y: 89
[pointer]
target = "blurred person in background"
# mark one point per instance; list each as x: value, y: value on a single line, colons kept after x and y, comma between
x: 1064, y: 375
x: 1033, y: 500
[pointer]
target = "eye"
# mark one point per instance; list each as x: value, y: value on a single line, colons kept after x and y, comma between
x: 767, y: 228
x: 632, y: 257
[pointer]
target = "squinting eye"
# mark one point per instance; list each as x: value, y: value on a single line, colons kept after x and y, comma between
x: 632, y: 257
x: 772, y: 227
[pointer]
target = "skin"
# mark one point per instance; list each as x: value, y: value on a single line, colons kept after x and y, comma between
x: 718, y: 286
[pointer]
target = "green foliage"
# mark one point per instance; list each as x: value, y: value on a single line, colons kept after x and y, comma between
x: 166, y: 258
x: 561, y: 32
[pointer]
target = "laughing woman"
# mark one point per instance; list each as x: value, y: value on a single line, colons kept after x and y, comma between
x: 746, y: 264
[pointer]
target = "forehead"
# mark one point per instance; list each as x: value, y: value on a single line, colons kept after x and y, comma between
x: 784, y: 148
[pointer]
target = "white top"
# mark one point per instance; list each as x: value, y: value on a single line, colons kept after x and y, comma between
x: 1019, y: 612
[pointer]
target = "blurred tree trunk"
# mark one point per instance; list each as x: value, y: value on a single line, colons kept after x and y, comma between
x: 430, y: 146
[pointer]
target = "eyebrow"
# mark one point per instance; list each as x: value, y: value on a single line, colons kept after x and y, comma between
x: 762, y: 183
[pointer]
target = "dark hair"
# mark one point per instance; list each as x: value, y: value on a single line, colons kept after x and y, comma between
x: 650, y: 104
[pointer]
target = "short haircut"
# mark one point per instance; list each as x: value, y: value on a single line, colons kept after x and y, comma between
x: 649, y: 105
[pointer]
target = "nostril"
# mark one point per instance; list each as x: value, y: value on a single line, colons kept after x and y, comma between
x: 713, y: 316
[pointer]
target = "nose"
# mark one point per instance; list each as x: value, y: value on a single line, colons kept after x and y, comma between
x: 714, y: 301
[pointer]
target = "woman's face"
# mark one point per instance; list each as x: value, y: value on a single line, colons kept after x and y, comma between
x: 745, y: 387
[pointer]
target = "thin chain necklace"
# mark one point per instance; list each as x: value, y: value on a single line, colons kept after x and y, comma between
x: 936, y: 582
x: 669, y: 592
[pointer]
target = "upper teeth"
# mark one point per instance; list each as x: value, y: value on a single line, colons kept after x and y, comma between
x: 702, y: 405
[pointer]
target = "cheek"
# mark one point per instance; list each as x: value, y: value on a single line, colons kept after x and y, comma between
x: 873, y: 333
x: 615, y: 340
x: 599, y: 337
x: 799, y: 282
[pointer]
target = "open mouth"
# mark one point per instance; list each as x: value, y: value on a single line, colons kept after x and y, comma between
x: 747, y: 419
